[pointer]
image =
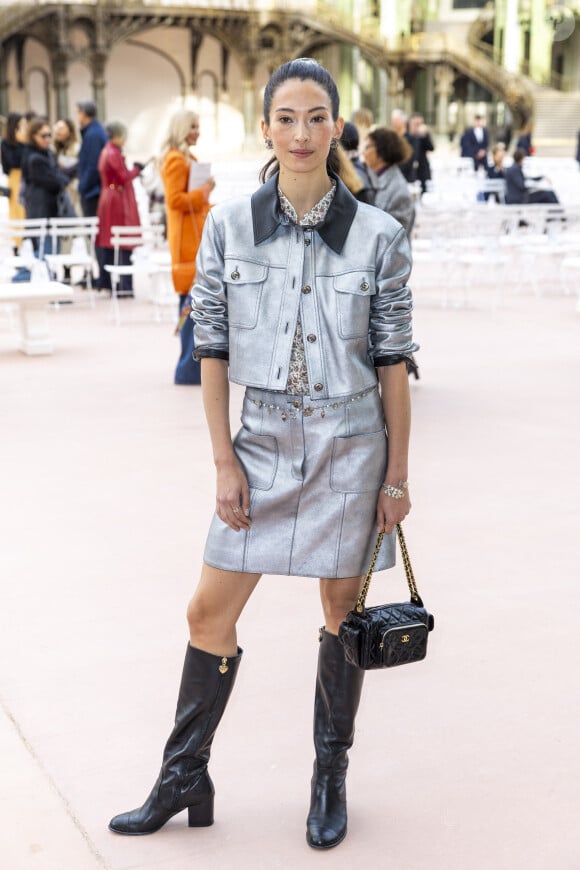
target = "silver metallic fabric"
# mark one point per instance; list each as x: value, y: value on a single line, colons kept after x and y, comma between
x: 392, y: 195
x: 255, y: 275
x: 315, y: 468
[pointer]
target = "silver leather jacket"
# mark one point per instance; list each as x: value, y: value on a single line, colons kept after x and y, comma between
x: 346, y: 277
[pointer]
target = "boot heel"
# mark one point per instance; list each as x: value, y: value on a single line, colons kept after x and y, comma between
x: 201, y: 815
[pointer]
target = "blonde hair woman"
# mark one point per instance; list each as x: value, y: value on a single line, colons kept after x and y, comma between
x: 186, y: 214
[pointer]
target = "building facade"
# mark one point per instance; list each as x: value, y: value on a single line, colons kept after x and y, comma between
x: 140, y: 59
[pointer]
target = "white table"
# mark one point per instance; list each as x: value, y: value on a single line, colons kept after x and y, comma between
x: 32, y: 298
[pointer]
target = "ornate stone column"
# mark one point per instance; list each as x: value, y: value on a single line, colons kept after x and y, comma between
x: 99, y: 56
x: 249, y: 104
x: 60, y: 83
x: 381, y: 98
x: 409, y: 75
x: 225, y: 66
x: 60, y: 53
x: 98, y: 64
x: 4, y: 83
x: 195, y: 41
x: 444, y: 76
x: 394, y: 89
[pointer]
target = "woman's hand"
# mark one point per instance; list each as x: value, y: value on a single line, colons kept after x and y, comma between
x: 391, y: 511
x: 233, y: 496
x: 207, y: 187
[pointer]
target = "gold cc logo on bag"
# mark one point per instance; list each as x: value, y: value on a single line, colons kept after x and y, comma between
x: 405, y: 638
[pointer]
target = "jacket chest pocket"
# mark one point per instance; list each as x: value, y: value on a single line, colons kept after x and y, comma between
x: 354, y: 291
x: 245, y: 281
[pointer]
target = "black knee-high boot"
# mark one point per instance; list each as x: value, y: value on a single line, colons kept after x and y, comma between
x: 338, y: 691
x: 184, y: 782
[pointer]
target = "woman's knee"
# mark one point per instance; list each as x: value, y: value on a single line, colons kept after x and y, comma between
x: 200, y: 617
x: 338, y: 597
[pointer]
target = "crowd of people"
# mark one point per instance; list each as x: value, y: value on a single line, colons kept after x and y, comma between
x: 68, y: 171
x: 518, y: 188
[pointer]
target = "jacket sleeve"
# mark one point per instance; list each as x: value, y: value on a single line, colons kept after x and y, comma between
x: 391, y: 333
x: 401, y: 208
x: 175, y: 179
x: 43, y: 173
x: 209, y: 296
x: 118, y: 167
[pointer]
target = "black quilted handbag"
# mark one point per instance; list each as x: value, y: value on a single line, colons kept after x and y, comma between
x: 389, y: 634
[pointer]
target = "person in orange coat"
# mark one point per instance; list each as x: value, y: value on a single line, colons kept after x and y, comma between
x: 186, y: 213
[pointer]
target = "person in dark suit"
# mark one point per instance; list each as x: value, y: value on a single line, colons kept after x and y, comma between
x: 517, y: 191
x: 475, y: 142
x: 419, y: 138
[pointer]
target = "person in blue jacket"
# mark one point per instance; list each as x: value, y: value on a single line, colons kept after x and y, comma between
x: 94, y: 140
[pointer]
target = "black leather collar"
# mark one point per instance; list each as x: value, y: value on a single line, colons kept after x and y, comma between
x: 266, y: 214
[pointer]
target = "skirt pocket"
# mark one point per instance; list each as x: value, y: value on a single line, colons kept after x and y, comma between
x: 258, y: 455
x: 358, y: 462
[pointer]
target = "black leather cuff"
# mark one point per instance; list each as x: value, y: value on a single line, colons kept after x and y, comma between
x: 391, y: 360
x: 211, y: 353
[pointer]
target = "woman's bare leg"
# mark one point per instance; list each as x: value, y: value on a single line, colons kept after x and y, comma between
x: 337, y: 598
x: 215, y: 608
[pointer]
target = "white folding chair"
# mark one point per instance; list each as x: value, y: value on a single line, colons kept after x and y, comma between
x: 142, y: 237
x: 494, y: 187
x: 27, y: 237
x: 22, y: 236
x: 82, y: 231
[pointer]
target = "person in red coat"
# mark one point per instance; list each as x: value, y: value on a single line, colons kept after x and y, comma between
x: 117, y: 204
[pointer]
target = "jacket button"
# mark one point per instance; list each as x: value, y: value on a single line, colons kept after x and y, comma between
x: 306, y: 242
x: 235, y: 275
x: 311, y: 337
x: 364, y: 286
x: 318, y: 387
x: 307, y: 288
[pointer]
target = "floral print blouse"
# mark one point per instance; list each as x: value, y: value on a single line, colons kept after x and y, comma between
x: 298, y: 373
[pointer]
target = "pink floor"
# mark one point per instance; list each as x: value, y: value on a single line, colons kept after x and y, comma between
x: 468, y: 761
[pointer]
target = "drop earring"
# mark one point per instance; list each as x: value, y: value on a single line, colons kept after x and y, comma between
x: 268, y: 143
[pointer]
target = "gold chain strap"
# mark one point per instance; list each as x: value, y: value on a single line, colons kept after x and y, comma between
x: 360, y: 605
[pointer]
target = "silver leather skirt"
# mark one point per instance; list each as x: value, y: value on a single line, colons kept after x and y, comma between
x: 314, y: 468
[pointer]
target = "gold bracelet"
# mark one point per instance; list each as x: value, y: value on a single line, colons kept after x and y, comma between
x: 396, y: 491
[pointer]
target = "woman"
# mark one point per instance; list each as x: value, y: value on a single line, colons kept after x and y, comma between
x: 300, y: 295
x: 43, y: 180
x: 383, y: 151
x: 66, y: 147
x: 13, y: 147
x: 495, y: 170
x: 347, y: 172
x: 117, y: 205
x: 186, y: 213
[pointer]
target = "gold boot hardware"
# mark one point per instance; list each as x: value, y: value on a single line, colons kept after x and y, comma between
x: 224, y: 668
